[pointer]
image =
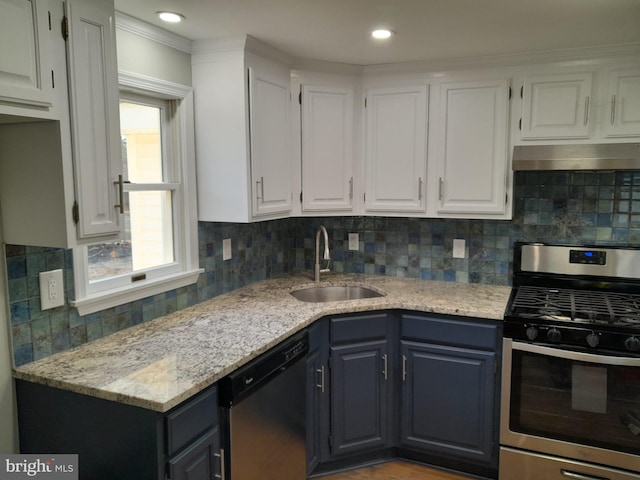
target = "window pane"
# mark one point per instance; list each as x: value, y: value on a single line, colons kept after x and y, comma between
x: 140, y: 127
x: 148, y: 239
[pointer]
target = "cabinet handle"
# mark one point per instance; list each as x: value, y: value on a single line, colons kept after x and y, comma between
x: 222, y: 474
x: 120, y: 183
x: 440, y: 187
x: 613, y: 109
x: 586, y: 110
x: 419, y: 188
x: 351, y: 188
x: 261, y: 183
x: 385, y: 362
x: 580, y: 476
x: 404, y: 367
x: 321, y: 384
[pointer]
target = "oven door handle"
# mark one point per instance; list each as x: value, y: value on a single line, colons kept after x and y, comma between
x: 578, y: 356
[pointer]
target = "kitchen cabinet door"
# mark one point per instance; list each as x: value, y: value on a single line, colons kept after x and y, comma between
x: 201, y: 461
x: 94, y: 106
x: 242, y: 131
x: 25, y: 70
x: 624, y: 106
x: 448, y: 401
x: 269, y: 104
x: 360, y: 386
x: 396, y: 149
x: 473, y: 149
x: 318, y: 393
x: 556, y: 106
x: 327, y: 148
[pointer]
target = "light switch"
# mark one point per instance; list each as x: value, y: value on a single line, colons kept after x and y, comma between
x: 226, y: 249
x: 354, y: 241
x: 459, y: 248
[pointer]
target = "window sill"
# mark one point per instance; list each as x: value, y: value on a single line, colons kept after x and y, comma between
x: 120, y: 296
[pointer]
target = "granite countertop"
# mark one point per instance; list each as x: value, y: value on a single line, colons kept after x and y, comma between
x: 159, y: 364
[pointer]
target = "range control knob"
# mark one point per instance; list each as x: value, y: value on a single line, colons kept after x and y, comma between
x: 632, y: 344
x: 593, y: 339
x: 532, y: 333
x: 554, y: 334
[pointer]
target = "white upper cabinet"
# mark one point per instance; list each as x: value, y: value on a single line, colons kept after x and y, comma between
x: 472, y: 148
x: 269, y: 109
x: 59, y: 171
x: 327, y: 148
x: 94, y: 106
x: 243, y: 131
x: 624, y: 104
x: 556, y: 106
x: 25, y: 71
x: 396, y: 149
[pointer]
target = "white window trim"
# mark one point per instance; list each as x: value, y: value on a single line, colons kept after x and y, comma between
x: 187, y: 233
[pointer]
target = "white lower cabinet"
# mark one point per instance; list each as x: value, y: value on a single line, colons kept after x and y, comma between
x: 243, y: 131
x: 57, y: 175
x: 396, y: 149
x: 327, y: 148
x: 471, y: 164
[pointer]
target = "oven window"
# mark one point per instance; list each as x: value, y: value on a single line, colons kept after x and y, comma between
x: 585, y: 403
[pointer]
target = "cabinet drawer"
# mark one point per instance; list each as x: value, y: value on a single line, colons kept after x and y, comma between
x: 187, y: 422
x: 359, y: 327
x: 450, y: 331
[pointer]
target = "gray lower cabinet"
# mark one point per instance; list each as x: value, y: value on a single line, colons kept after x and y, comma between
x: 114, y: 440
x: 361, y: 383
x: 414, y: 385
x: 318, y: 390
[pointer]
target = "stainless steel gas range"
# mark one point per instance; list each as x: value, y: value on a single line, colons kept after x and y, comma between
x: 571, y: 365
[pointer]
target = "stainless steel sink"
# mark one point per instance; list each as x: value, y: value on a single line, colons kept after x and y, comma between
x: 334, y: 293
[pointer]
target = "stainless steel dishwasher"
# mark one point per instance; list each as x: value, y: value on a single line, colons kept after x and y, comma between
x: 264, y: 403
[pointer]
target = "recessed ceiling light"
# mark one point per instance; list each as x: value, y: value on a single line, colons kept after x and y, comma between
x: 381, y: 33
x: 170, y: 17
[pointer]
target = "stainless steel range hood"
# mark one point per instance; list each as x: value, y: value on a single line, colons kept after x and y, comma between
x: 603, y: 156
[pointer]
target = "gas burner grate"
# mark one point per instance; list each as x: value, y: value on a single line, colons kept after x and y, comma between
x: 590, y: 306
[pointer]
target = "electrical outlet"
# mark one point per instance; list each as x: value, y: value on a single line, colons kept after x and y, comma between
x: 354, y: 241
x: 459, y: 248
x: 226, y: 249
x: 51, y: 289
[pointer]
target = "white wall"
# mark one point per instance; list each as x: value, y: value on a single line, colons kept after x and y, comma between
x: 8, y: 423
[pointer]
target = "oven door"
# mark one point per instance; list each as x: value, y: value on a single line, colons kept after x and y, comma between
x: 571, y: 404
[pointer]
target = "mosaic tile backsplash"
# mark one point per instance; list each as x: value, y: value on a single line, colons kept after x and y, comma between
x: 561, y: 207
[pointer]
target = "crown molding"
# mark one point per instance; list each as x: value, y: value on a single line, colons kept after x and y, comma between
x: 567, y: 55
x: 144, y: 83
x: 151, y: 32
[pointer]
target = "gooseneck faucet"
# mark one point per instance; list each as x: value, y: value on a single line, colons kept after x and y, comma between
x: 325, y: 256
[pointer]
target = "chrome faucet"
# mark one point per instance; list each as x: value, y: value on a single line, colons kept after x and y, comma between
x: 325, y: 256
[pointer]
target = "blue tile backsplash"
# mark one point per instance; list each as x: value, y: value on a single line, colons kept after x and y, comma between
x: 560, y: 207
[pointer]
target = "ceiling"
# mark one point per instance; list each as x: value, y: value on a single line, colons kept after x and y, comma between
x: 338, y: 30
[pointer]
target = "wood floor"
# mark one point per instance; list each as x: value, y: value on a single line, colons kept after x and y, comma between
x: 395, y: 471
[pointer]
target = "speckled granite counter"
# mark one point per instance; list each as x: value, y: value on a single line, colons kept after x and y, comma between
x: 159, y: 364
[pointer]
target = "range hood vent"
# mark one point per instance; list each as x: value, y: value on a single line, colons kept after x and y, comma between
x: 603, y: 156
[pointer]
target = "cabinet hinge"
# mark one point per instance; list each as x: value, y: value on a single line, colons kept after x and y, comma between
x: 75, y: 213
x: 65, y: 28
x: 300, y: 196
x: 364, y: 197
x: 520, y: 124
x: 365, y: 102
x: 53, y: 80
x: 330, y: 438
x: 300, y: 98
x: 522, y: 91
x: 49, y: 13
x: 506, y: 198
x: 495, y: 368
x: 509, y: 93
